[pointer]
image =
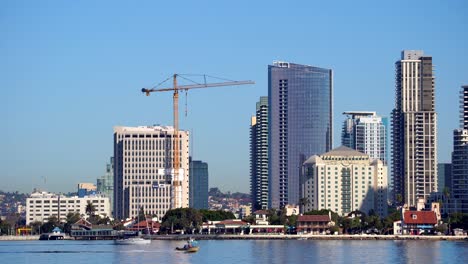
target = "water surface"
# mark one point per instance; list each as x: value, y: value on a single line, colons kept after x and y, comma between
x: 236, y: 251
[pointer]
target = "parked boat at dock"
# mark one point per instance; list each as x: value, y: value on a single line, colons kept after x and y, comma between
x: 55, y: 235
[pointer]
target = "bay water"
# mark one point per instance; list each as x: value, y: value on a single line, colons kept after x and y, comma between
x: 236, y: 251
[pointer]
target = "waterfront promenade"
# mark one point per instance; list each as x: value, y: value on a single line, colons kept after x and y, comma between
x: 273, y: 237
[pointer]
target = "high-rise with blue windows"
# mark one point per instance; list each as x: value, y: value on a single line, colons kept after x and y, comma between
x: 198, y: 187
x: 300, y: 125
x: 459, y: 179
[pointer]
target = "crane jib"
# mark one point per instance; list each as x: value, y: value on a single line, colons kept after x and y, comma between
x: 194, y: 86
x: 176, y: 183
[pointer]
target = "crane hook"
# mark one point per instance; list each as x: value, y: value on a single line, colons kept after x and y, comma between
x: 186, y: 99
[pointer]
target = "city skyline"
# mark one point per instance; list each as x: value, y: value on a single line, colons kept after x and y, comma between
x: 70, y: 78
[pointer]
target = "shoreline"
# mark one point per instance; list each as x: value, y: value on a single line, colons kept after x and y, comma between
x: 309, y: 237
x: 274, y: 237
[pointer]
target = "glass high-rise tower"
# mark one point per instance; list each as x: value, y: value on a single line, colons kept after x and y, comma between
x: 105, y: 184
x: 459, y: 181
x: 300, y: 125
x: 414, y: 129
x: 198, y: 187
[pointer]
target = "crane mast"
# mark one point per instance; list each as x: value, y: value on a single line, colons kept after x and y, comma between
x: 175, y: 153
x: 176, y: 192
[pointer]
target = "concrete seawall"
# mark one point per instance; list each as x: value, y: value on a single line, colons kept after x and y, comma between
x: 13, y: 238
x: 271, y: 237
x: 306, y: 237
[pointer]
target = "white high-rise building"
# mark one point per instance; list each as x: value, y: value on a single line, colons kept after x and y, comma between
x: 259, y: 156
x: 365, y: 132
x: 344, y: 180
x: 143, y: 171
x: 42, y: 205
x: 414, y: 129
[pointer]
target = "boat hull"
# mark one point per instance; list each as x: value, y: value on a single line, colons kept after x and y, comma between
x: 132, y: 241
x: 188, y: 250
x: 48, y: 236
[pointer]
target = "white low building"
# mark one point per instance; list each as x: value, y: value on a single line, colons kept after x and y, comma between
x: 42, y: 205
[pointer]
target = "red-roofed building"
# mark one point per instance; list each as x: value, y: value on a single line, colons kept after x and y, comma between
x: 420, y: 217
x: 231, y: 223
x: 417, y: 222
x: 314, y: 224
x: 146, y: 226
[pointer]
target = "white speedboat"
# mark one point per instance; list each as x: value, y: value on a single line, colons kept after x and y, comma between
x: 132, y: 241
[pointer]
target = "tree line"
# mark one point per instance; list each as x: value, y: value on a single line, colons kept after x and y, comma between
x: 189, y: 220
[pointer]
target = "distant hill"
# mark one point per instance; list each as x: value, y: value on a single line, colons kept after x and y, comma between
x: 9, y: 202
x: 215, y: 192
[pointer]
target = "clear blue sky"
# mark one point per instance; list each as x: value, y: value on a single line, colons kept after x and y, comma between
x: 71, y: 70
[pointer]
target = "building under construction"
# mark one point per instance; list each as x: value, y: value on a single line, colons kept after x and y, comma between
x: 144, y: 171
x: 152, y: 163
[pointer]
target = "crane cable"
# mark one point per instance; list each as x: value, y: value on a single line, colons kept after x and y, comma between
x: 159, y: 84
x: 190, y: 80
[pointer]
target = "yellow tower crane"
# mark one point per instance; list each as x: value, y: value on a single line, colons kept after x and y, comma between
x: 176, y: 183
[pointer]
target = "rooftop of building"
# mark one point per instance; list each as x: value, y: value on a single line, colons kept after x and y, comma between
x: 41, y: 195
x: 261, y: 212
x: 313, y: 218
x: 344, y: 151
x: 360, y: 113
x: 147, y: 223
x: 232, y: 222
x: 313, y: 160
x: 290, y: 65
x: 342, y: 154
x: 420, y: 217
x: 411, y: 54
x: 146, y: 129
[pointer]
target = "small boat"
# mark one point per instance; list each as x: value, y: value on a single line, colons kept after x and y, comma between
x: 132, y: 241
x: 51, y: 236
x: 55, y: 235
x: 190, y: 247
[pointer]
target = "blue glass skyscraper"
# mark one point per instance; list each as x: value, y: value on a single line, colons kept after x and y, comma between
x: 198, y: 188
x: 300, y: 124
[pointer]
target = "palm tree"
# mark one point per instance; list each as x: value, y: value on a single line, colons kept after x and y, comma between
x: 446, y: 192
x: 35, y: 227
x: 90, y: 208
x: 399, y: 199
x: 141, y: 214
x: 71, y: 219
